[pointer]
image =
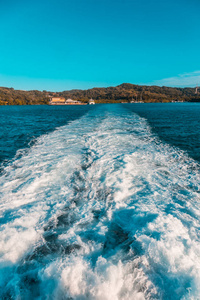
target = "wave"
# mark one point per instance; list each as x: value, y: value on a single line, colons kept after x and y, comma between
x: 100, y: 209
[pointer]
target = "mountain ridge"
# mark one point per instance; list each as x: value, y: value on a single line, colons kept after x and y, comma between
x: 125, y: 92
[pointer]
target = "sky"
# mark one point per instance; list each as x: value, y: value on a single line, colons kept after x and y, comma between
x: 59, y: 45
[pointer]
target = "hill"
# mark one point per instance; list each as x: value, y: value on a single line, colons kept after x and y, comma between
x: 125, y: 92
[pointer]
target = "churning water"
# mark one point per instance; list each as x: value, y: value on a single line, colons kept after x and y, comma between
x: 100, y: 207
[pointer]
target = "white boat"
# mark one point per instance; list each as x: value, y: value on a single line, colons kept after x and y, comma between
x: 91, y: 102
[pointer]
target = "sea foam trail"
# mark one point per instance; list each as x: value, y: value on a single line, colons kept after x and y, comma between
x: 100, y: 209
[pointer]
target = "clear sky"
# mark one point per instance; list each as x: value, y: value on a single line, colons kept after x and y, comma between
x: 60, y: 44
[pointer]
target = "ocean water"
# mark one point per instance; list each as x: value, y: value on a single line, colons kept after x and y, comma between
x: 100, y: 202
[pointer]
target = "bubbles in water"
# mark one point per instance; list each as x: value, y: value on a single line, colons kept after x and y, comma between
x: 100, y: 209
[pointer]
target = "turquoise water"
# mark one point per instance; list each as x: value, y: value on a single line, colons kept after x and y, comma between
x: 100, y: 202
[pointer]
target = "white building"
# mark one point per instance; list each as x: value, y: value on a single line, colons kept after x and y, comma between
x: 70, y: 101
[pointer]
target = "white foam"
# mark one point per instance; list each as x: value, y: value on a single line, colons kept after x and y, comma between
x: 76, y: 279
x: 128, y: 207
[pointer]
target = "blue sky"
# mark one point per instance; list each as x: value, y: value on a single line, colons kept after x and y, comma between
x: 58, y: 45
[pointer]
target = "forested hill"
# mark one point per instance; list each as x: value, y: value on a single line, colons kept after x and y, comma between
x: 125, y: 92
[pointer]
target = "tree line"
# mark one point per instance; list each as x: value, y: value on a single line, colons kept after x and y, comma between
x: 125, y: 92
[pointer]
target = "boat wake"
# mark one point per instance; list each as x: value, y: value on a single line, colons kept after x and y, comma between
x: 100, y: 209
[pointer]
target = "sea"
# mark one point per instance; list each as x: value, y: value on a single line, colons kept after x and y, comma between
x: 100, y: 202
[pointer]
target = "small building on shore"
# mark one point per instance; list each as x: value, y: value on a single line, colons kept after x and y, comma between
x: 63, y: 101
x: 73, y: 102
x: 57, y: 101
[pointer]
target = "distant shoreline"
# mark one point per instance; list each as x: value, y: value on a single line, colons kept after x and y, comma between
x: 126, y: 92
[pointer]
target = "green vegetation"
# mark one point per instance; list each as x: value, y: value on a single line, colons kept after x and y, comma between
x: 9, y: 96
x: 125, y: 92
